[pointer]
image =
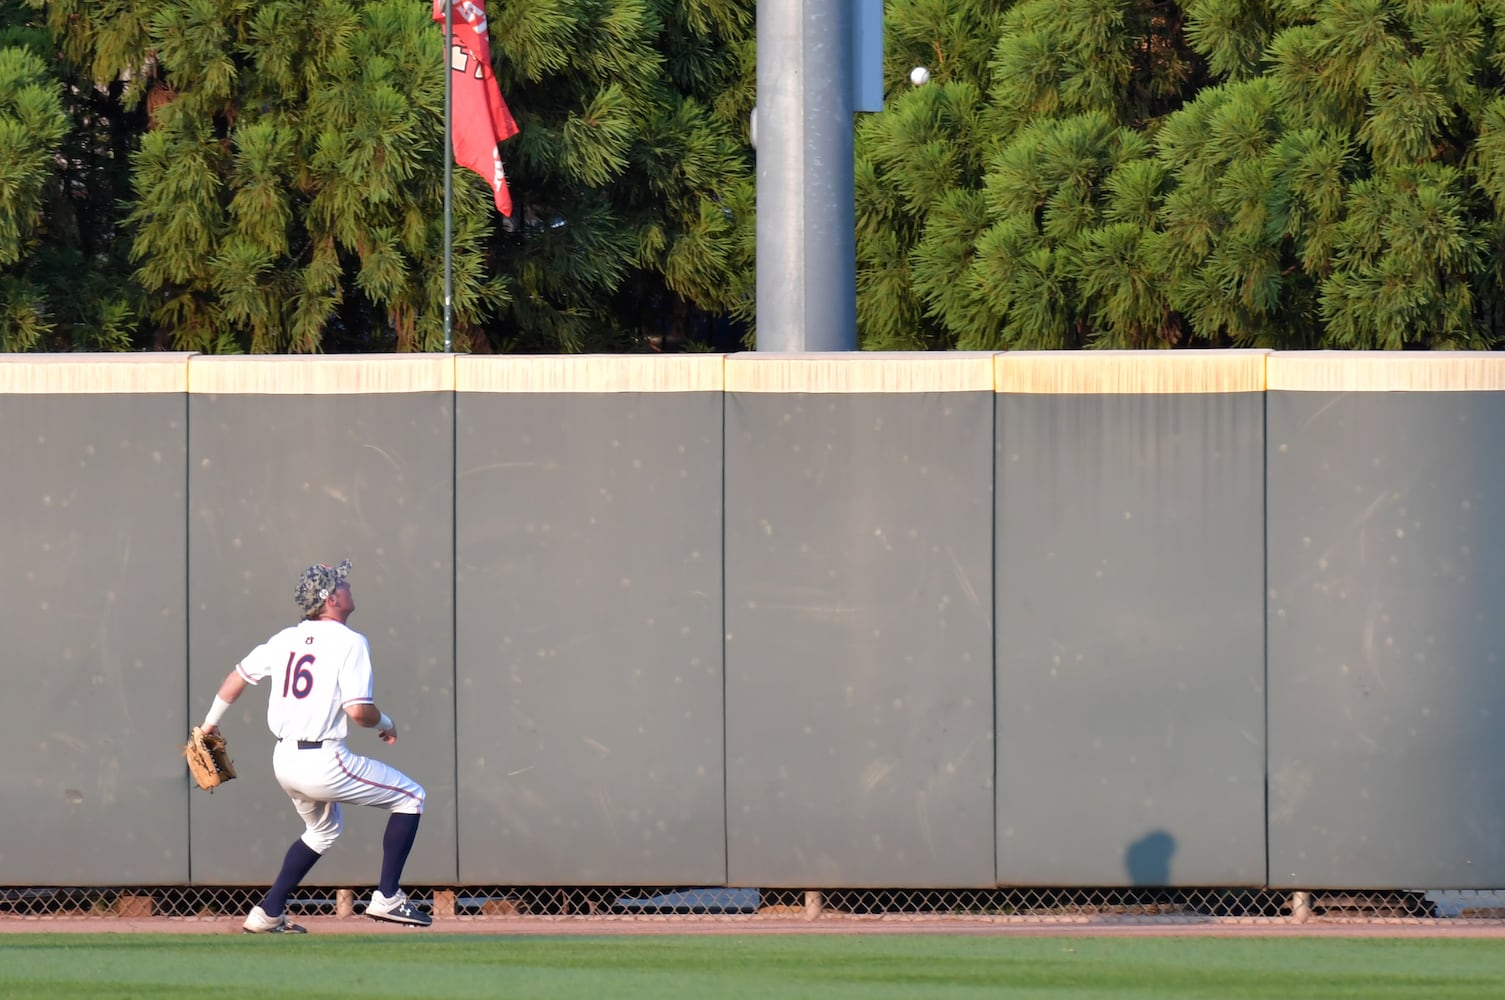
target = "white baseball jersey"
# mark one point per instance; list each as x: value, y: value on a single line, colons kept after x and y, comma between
x: 318, y: 669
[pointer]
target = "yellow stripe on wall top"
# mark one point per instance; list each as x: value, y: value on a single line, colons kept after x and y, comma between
x: 1388, y: 371
x: 1130, y: 372
x: 93, y: 373
x: 1025, y: 372
x: 589, y: 373
x: 861, y: 371
x: 320, y: 374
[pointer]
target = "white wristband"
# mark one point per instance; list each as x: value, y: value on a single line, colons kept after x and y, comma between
x: 216, y: 712
x: 385, y: 725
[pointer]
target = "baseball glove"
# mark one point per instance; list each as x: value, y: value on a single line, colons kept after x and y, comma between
x: 208, y: 758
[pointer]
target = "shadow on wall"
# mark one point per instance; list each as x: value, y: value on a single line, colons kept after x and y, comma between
x: 1148, y: 859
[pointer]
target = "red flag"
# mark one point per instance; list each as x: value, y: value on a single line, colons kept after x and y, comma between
x: 481, y: 119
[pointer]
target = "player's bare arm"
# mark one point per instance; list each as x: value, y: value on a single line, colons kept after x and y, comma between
x: 229, y: 690
x: 371, y: 717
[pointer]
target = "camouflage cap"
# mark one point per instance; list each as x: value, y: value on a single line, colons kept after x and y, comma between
x: 317, y: 583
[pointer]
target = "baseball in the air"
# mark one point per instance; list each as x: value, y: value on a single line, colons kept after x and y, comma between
x: 919, y: 75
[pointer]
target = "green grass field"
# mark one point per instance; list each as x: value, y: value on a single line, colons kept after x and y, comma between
x: 757, y: 967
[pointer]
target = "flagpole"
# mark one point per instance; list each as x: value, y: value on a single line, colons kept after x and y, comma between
x: 449, y: 170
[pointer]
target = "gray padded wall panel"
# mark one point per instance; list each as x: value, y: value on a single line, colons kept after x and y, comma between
x: 589, y: 638
x: 1130, y: 639
x: 859, y: 645
x: 1387, y: 644
x: 91, y: 607
x: 280, y: 481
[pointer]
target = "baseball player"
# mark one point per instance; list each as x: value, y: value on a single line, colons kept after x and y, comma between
x: 320, y: 671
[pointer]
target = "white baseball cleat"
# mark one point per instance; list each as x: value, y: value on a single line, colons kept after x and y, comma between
x: 396, y: 909
x: 257, y: 922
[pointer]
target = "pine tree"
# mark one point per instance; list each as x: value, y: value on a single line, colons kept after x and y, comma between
x: 1414, y: 258
x: 288, y: 185
x: 1110, y: 173
x: 1042, y: 242
x: 1069, y: 259
x: 1276, y: 173
x: 278, y: 201
x: 919, y: 168
x: 633, y: 173
x: 32, y: 129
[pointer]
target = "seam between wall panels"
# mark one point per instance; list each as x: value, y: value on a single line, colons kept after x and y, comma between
x: 454, y: 611
x: 726, y: 822
x: 1264, y: 597
x: 188, y: 611
x: 993, y: 631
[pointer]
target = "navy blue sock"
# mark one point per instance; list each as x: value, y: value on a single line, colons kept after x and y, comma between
x: 395, y: 845
x: 299, y: 860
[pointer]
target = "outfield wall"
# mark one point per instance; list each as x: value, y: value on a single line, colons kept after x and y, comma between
x: 1130, y: 618
x: 799, y: 621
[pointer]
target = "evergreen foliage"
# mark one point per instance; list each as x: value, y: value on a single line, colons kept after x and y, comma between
x: 1268, y: 173
x: 222, y: 175
x: 634, y: 170
x: 283, y: 161
x: 33, y: 126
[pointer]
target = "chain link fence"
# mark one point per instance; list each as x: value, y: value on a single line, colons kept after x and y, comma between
x: 679, y: 903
